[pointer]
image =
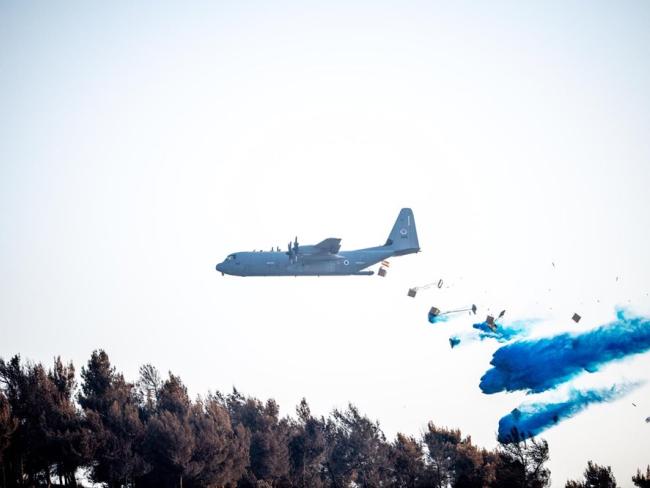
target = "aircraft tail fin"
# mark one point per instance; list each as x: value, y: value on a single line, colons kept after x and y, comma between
x: 403, y: 239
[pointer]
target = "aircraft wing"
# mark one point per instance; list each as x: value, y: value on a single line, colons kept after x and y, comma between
x: 330, y: 245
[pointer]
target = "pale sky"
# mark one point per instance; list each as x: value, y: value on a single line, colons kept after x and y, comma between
x: 141, y: 144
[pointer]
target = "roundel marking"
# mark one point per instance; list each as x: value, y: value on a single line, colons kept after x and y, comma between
x: 403, y: 231
x: 346, y: 262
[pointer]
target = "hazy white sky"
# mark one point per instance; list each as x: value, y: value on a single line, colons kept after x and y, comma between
x: 140, y: 144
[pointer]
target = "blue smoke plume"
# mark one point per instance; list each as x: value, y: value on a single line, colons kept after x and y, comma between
x: 539, y: 365
x: 436, y: 319
x: 503, y: 333
x: 533, y: 418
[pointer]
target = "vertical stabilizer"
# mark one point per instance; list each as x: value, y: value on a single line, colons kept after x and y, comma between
x: 403, y: 239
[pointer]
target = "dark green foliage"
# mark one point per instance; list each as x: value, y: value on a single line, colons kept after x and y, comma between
x: 192, y: 444
x: 407, y: 459
x: 220, y: 449
x: 455, y: 461
x: 269, y: 438
x: 642, y: 480
x: 521, y: 463
x: 595, y: 476
x: 46, y: 434
x: 112, y: 415
x: 441, y: 444
x: 169, y: 440
x: 307, y: 446
x: 147, y: 388
x: 151, y: 434
x: 8, y: 424
x: 357, y: 450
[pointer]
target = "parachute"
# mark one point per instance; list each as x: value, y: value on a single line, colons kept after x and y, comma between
x: 413, y: 291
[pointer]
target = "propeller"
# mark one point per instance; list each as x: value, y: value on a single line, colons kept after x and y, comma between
x: 292, y: 251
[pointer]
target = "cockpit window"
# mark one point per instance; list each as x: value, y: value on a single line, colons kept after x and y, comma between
x: 231, y: 257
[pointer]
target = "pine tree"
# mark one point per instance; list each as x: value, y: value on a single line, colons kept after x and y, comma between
x: 595, y: 476
x: 269, y: 436
x: 441, y: 449
x: 307, y: 448
x: 113, y: 417
x: 642, y: 480
x: 8, y: 425
x: 68, y: 441
x: 521, y: 462
x: 357, y: 449
x: 220, y: 451
x: 169, y: 439
x: 407, y: 460
x: 48, y: 437
x: 455, y: 461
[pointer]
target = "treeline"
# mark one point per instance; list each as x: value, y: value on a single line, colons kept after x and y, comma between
x: 151, y: 434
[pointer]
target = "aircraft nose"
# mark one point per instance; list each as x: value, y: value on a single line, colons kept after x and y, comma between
x: 219, y: 267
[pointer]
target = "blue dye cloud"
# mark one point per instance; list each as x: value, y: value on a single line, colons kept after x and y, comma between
x: 435, y: 319
x: 503, y: 333
x: 539, y: 365
x: 533, y: 418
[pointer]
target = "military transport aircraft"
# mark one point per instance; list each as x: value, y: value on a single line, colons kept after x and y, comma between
x: 324, y: 258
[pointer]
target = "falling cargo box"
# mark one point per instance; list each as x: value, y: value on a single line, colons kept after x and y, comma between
x: 382, y: 272
x: 434, y: 311
x: 412, y: 292
x: 576, y: 318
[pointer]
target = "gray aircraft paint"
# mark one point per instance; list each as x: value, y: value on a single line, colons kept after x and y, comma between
x: 324, y: 258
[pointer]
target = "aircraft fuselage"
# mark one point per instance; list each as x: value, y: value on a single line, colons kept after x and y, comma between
x: 281, y: 264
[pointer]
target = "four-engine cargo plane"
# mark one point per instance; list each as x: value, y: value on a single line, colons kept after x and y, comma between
x: 324, y: 258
